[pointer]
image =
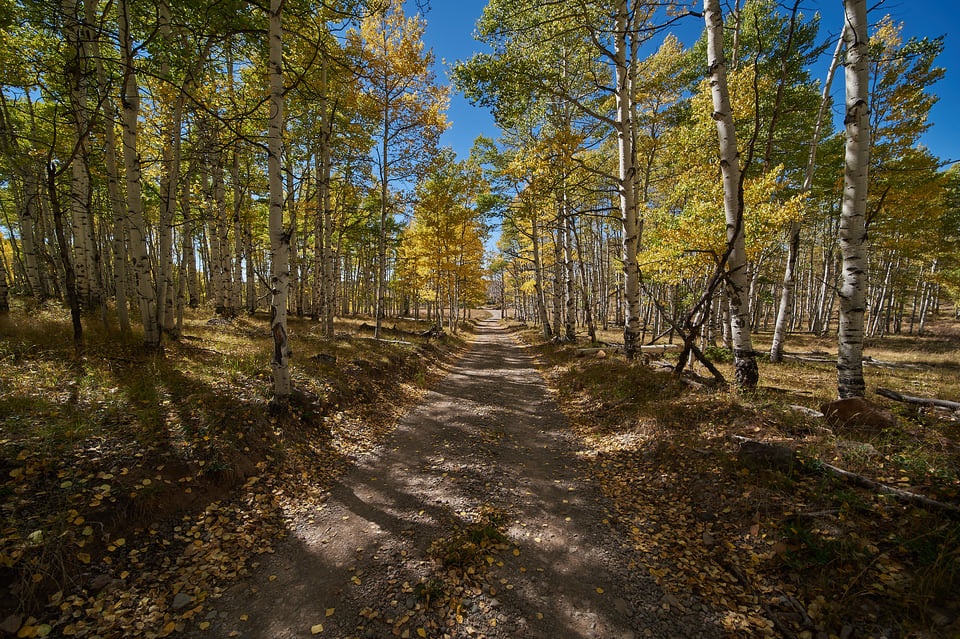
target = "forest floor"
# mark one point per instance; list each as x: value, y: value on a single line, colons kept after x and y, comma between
x: 156, y: 495
x: 781, y: 551
x: 476, y: 519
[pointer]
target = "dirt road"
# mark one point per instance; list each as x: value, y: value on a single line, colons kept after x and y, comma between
x: 391, y: 553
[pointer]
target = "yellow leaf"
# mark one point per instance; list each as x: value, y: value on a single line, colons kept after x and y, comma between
x: 43, y: 630
x: 204, y: 625
x: 84, y: 557
x: 421, y: 632
x: 167, y: 629
x: 516, y: 552
x: 330, y: 612
x: 317, y: 629
x: 244, y: 617
x: 355, y: 580
x: 599, y: 591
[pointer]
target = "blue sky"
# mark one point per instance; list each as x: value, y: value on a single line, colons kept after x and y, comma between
x: 450, y: 25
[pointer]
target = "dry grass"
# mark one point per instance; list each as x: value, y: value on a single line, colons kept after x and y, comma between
x: 90, y: 448
x: 847, y: 556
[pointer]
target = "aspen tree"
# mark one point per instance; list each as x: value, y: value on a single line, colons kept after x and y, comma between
x: 745, y: 362
x: 136, y: 226
x: 853, y: 230
x: 279, y: 237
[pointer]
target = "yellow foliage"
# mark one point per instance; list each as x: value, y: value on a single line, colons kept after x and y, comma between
x: 686, y: 232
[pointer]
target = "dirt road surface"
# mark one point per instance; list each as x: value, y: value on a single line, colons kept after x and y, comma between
x: 489, y: 444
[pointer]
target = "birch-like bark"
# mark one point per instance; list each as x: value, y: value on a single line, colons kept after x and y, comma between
x: 4, y: 302
x: 557, y: 306
x: 139, y: 258
x: 538, y: 278
x: 221, y: 231
x: 325, y: 200
x: 625, y: 184
x: 113, y: 178
x: 28, y: 213
x: 746, y: 374
x: 853, y: 230
x: 237, y: 293
x: 571, y: 310
x: 279, y: 238
x: 80, y: 177
x: 251, y: 275
x: 188, y: 251
x: 168, y: 189
x: 784, y: 314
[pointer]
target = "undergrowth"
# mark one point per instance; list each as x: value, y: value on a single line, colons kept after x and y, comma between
x: 794, y: 545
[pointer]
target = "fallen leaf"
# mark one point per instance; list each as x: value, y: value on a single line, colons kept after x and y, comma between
x: 330, y: 612
x: 317, y: 629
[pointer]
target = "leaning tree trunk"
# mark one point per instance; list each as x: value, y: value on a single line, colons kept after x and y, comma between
x: 279, y: 238
x: 853, y: 230
x: 745, y: 361
x: 136, y: 227
x: 784, y: 313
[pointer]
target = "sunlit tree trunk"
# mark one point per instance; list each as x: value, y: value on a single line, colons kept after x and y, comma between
x: 113, y: 179
x: 325, y: 202
x: 188, y: 250
x: 28, y: 213
x: 251, y: 275
x: 784, y: 313
x: 627, y: 169
x: 853, y: 231
x: 222, y: 229
x: 79, y: 202
x: 139, y: 258
x: 745, y: 361
x: 4, y: 302
x: 538, y: 278
x: 279, y: 237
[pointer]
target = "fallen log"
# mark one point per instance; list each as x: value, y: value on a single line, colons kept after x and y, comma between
x: 867, y: 361
x: 866, y: 482
x: 648, y: 348
x: 903, y: 495
x: 921, y: 401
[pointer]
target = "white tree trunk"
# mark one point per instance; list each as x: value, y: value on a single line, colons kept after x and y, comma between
x: 538, y: 278
x: 28, y: 213
x: 223, y: 266
x: 113, y: 179
x: 784, y: 313
x: 279, y: 238
x: 853, y: 231
x: 745, y: 361
x: 625, y: 185
x: 80, y: 177
x: 139, y: 258
x: 325, y: 202
x: 168, y: 190
x: 189, y: 252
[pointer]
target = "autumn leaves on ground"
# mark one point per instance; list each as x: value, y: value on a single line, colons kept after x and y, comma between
x: 138, y: 488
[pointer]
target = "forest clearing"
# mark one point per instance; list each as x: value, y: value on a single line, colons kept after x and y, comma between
x: 668, y: 348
